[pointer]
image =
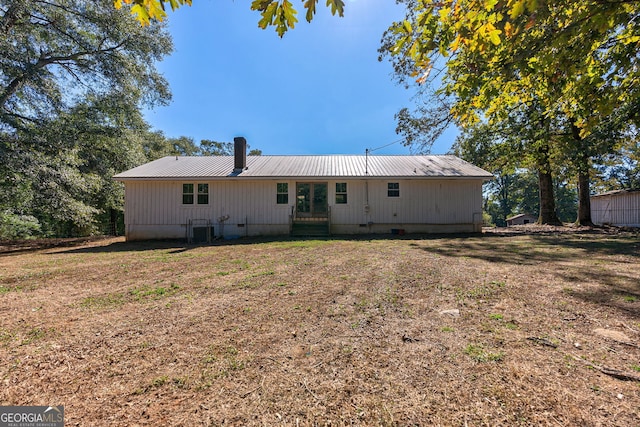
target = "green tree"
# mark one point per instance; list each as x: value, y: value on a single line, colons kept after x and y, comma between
x: 515, y: 188
x: 620, y: 170
x: 155, y: 145
x: 64, y: 169
x: 73, y: 76
x: 578, y: 57
x: 215, y: 148
x: 53, y: 53
x: 522, y: 141
x: 572, y: 62
x: 183, y: 146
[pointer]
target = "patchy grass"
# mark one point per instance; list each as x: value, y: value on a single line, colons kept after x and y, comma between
x: 458, y: 330
x: 479, y: 354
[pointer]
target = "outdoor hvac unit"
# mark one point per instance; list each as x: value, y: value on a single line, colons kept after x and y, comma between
x: 200, y: 231
x: 202, y: 234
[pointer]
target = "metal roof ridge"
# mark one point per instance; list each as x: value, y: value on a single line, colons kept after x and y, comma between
x: 317, y: 155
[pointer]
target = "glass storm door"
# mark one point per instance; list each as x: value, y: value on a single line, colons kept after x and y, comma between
x: 311, y: 199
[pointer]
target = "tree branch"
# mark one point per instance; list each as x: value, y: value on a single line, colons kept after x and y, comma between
x: 43, y: 62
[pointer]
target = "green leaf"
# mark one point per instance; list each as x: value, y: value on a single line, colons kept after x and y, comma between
x: 268, y: 15
x: 289, y: 14
x: 517, y: 9
x: 310, y: 5
x: 407, y: 27
x: 261, y: 5
x: 532, y: 5
x: 336, y: 6
x: 494, y: 36
x: 489, y: 5
x: 141, y: 14
x: 174, y: 4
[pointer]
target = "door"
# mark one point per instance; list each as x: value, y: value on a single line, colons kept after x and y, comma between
x: 311, y: 199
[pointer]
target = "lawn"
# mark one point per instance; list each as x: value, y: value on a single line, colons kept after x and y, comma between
x: 493, y: 329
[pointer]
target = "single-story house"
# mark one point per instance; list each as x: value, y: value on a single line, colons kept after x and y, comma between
x: 620, y: 208
x: 521, y: 219
x: 206, y: 197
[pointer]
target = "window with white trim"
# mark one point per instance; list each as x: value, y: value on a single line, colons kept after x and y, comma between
x: 341, y: 193
x: 282, y: 193
x: 393, y: 189
x: 190, y: 197
x: 187, y: 194
x: 203, y: 194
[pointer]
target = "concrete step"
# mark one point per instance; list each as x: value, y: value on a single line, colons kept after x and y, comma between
x: 312, y: 229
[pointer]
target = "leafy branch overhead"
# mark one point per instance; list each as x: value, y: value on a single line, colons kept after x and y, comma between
x: 579, y: 56
x: 280, y: 14
x: 147, y: 10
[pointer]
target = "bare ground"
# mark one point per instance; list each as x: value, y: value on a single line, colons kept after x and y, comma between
x: 534, y: 326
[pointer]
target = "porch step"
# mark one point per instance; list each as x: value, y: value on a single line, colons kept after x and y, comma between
x: 310, y: 228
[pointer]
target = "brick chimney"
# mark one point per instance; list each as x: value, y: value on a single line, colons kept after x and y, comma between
x: 240, y: 154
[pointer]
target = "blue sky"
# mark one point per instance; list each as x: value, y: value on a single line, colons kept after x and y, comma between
x: 318, y: 90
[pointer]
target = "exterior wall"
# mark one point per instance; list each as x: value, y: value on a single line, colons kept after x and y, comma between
x: 424, y: 206
x: 154, y: 209
x: 622, y: 210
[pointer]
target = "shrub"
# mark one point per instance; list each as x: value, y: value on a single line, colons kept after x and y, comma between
x: 487, y: 221
x: 14, y: 226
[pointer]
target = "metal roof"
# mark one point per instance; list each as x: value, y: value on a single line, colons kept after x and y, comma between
x: 327, y: 166
x: 617, y: 192
x: 520, y: 216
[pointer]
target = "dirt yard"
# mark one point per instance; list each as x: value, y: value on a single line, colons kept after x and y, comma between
x: 513, y: 328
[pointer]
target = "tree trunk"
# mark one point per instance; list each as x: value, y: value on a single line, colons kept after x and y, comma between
x: 113, y: 221
x: 582, y: 164
x: 584, y: 200
x: 505, y: 208
x: 547, y: 201
x: 545, y: 183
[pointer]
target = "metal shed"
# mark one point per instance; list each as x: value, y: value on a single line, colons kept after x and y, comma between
x: 522, y: 219
x: 620, y: 208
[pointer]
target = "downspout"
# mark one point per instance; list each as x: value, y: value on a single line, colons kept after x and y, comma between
x: 221, y: 221
x: 367, y: 209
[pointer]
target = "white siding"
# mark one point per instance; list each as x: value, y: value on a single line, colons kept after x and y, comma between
x: 622, y: 209
x: 154, y: 209
x: 427, y: 202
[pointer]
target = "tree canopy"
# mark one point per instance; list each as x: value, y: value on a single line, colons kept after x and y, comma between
x: 574, y: 64
x: 73, y: 77
x: 280, y: 14
x: 55, y: 53
x: 576, y: 57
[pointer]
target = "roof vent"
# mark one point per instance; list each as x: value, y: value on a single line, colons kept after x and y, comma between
x: 239, y: 154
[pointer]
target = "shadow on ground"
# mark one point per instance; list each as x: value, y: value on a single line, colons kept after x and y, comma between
x: 534, y: 249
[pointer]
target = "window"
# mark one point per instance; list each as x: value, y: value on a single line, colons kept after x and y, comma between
x: 282, y: 196
x: 203, y: 194
x: 187, y: 194
x: 341, y: 193
x: 393, y: 189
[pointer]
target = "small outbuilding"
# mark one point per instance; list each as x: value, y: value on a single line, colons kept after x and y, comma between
x: 201, y: 198
x: 521, y: 219
x: 620, y: 208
